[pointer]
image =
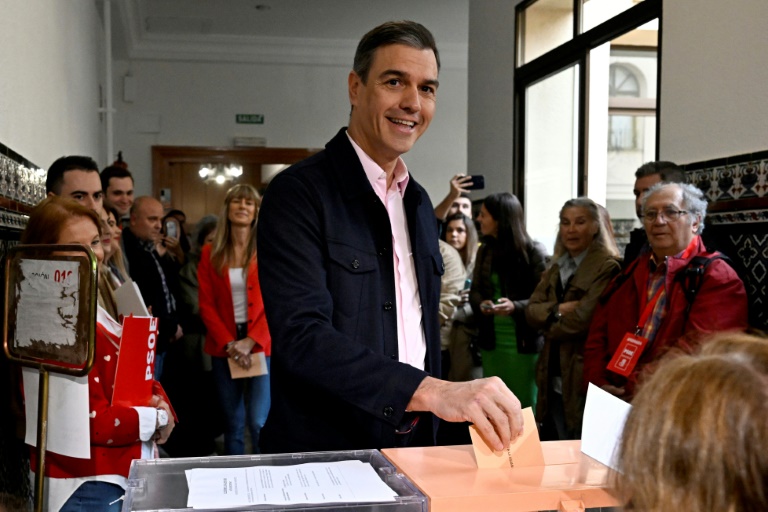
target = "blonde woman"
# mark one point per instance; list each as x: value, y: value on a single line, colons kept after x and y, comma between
x: 233, y: 313
x: 585, y: 260
x: 695, y: 437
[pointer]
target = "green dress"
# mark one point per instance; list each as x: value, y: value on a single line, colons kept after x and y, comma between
x: 518, y: 371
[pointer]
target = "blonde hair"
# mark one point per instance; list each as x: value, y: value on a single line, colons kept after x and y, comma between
x: 696, y: 437
x: 222, y: 250
x: 599, y: 216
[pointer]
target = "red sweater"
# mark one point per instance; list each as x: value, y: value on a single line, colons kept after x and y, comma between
x: 218, y: 311
x: 114, y: 429
x: 720, y: 305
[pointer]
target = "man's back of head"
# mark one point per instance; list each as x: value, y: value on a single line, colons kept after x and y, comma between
x: 667, y: 171
x: 76, y: 177
x: 651, y: 173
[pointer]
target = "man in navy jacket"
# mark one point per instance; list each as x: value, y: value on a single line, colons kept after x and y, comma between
x: 350, y: 268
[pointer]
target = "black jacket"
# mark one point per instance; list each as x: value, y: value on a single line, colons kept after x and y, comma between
x: 327, y: 280
x: 146, y: 275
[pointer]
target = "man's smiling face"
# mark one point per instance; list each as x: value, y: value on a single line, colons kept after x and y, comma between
x: 394, y: 107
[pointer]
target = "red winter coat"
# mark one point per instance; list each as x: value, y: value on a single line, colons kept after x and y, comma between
x: 218, y: 311
x: 719, y: 305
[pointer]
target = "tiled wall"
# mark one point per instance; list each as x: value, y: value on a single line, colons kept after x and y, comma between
x: 737, y: 223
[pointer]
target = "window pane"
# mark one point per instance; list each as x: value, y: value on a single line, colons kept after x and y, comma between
x: 546, y: 24
x: 597, y: 11
x: 550, y: 151
x: 622, y: 126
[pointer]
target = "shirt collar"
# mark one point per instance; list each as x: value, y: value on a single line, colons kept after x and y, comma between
x: 376, y: 175
x: 576, y: 261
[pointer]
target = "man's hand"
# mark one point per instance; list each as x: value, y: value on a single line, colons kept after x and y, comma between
x: 178, y: 334
x: 487, y: 403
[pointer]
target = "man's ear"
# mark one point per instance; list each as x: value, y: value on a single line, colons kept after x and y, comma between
x: 51, y: 194
x: 354, y: 83
x: 695, y: 224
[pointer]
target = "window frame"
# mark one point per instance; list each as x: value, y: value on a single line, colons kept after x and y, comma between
x: 575, y: 51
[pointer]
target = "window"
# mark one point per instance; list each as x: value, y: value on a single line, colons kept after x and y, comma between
x: 585, y: 107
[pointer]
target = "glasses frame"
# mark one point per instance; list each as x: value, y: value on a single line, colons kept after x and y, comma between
x: 668, y: 214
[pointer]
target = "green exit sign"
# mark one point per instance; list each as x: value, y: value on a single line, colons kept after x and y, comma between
x: 249, y: 118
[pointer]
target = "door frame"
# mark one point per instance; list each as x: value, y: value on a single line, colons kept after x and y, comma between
x: 164, y: 156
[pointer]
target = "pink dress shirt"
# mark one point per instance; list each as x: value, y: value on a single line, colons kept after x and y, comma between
x: 411, y: 343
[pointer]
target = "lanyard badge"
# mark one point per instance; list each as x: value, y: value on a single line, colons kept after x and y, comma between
x: 627, y: 354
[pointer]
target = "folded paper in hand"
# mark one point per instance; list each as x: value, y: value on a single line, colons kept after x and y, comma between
x: 258, y: 366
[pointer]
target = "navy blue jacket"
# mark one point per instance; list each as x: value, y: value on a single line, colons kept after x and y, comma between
x: 327, y: 280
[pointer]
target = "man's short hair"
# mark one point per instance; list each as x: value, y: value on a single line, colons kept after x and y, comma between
x: 669, y: 171
x: 408, y: 33
x: 113, y: 171
x: 55, y: 177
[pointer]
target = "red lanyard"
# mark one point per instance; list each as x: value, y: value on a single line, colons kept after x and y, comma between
x: 648, y: 310
x: 649, y: 307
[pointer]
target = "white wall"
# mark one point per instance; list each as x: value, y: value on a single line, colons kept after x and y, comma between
x: 491, y: 93
x: 303, y: 106
x: 714, y: 79
x: 52, y: 61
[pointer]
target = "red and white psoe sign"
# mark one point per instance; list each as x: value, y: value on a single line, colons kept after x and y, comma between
x: 136, y: 363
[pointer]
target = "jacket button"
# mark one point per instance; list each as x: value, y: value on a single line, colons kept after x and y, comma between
x: 355, y: 264
x: 388, y: 412
x: 387, y: 306
x: 382, y: 251
x: 442, y: 267
x: 393, y: 356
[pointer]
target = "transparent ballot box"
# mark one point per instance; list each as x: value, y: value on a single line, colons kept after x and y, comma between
x: 161, y: 484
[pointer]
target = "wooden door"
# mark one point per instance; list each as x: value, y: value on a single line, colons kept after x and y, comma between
x: 175, y: 170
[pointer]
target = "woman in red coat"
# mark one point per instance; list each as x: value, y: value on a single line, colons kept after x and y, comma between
x: 233, y: 314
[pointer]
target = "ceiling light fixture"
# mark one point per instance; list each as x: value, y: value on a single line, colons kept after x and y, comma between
x: 220, y: 173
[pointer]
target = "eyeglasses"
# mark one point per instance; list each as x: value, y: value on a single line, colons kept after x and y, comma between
x: 669, y: 214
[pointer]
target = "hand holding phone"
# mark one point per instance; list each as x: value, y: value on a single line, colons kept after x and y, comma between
x: 478, y: 182
x: 172, y: 228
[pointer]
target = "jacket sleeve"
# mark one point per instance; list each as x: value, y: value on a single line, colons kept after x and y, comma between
x: 294, y: 272
x: 480, y: 281
x: 209, y: 311
x: 596, y: 352
x: 110, y: 425
x: 451, y: 283
x: 576, y: 323
x: 538, y: 259
x: 257, y: 330
x: 541, y: 302
x: 719, y: 305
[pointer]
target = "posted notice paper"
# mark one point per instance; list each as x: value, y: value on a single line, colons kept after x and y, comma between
x: 348, y: 481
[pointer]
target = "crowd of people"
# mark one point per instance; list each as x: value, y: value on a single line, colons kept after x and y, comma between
x: 361, y: 317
